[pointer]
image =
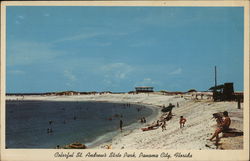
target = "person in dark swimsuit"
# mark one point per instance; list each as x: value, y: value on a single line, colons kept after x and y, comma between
x: 121, y: 123
x: 224, y: 126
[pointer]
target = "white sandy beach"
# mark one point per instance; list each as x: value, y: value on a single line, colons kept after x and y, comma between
x: 198, y: 128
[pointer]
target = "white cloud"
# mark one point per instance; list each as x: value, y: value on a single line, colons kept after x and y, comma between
x: 17, y: 72
x: 146, y: 82
x: 69, y: 75
x: 69, y: 84
x: 26, y: 53
x: 176, y: 71
x: 21, y: 17
x: 71, y: 78
x: 143, y: 43
x: 79, y: 37
x: 115, y: 73
x: 46, y: 14
x: 89, y: 33
x: 17, y: 22
x: 117, y: 70
x: 104, y: 44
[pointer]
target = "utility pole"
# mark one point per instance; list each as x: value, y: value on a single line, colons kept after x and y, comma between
x: 215, y: 77
x: 238, y: 99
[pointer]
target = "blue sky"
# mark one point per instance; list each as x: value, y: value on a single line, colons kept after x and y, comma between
x: 117, y: 48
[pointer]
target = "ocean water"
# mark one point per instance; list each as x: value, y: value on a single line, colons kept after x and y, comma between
x: 90, y: 123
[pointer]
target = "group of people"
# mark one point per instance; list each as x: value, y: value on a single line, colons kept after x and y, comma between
x: 49, y: 130
x: 163, y: 124
x: 223, y: 125
x: 222, y: 122
x: 143, y: 120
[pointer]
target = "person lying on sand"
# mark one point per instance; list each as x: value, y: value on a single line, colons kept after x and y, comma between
x: 153, y: 126
x: 224, y: 126
x: 182, y: 121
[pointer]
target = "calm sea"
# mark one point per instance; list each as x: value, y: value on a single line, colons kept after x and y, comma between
x: 27, y: 122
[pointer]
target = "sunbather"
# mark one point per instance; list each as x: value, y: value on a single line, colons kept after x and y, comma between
x: 156, y: 125
x: 224, y: 126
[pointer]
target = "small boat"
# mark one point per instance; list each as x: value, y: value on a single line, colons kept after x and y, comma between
x: 76, y: 146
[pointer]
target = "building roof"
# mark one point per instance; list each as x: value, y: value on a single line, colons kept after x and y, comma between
x: 217, y: 87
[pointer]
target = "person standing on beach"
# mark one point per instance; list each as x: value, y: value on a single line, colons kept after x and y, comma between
x: 182, y: 121
x: 142, y: 120
x: 121, y: 125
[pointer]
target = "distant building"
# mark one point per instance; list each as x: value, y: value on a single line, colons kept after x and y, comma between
x: 144, y: 89
x: 224, y: 92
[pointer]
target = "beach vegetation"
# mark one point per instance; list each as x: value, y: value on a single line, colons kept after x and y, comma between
x: 192, y: 90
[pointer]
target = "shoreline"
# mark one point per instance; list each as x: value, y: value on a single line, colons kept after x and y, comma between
x: 105, y: 138
x: 97, y: 143
x: 199, y: 126
x: 108, y: 137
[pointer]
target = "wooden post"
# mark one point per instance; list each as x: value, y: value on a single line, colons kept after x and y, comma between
x: 238, y: 99
x: 215, y: 76
x: 215, y: 85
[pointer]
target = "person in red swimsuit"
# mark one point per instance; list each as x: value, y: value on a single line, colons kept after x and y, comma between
x: 182, y: 121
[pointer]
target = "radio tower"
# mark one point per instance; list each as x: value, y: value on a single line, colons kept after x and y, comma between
x: 215, y: 77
